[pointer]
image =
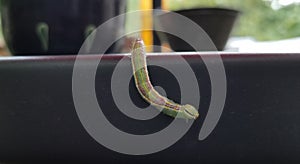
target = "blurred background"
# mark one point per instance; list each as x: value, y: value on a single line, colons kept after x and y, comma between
x: 262, y: 24
x: 264, y: 20
x: 261, y: 19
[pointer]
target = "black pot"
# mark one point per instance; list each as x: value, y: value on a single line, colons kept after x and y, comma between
x: 44, y: 27
x: 216, y: 22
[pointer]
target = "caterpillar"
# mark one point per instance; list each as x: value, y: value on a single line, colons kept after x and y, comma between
x: 147, y: 91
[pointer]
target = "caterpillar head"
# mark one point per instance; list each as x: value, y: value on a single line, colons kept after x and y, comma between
x: 188, y: 112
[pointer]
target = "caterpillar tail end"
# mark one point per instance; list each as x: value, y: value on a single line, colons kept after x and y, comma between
x: 189, y: 112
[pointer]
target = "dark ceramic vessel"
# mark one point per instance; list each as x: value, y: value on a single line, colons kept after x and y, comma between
x: 260, y: 122
x: 43, y: 27
x: 216, y: 22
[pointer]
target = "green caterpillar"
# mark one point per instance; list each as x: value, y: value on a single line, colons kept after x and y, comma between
x: 147, y: 91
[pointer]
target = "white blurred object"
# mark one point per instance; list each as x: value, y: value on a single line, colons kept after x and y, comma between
x: 278, y: 4
x: 248, y: 44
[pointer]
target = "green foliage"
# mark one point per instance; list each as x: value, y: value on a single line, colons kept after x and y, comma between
x: 257, y: 18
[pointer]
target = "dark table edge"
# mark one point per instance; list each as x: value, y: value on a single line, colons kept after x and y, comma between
x: 224, y: 55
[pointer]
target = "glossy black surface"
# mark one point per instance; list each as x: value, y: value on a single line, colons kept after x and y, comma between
x: 260, y: 122
x: 68, y: 22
